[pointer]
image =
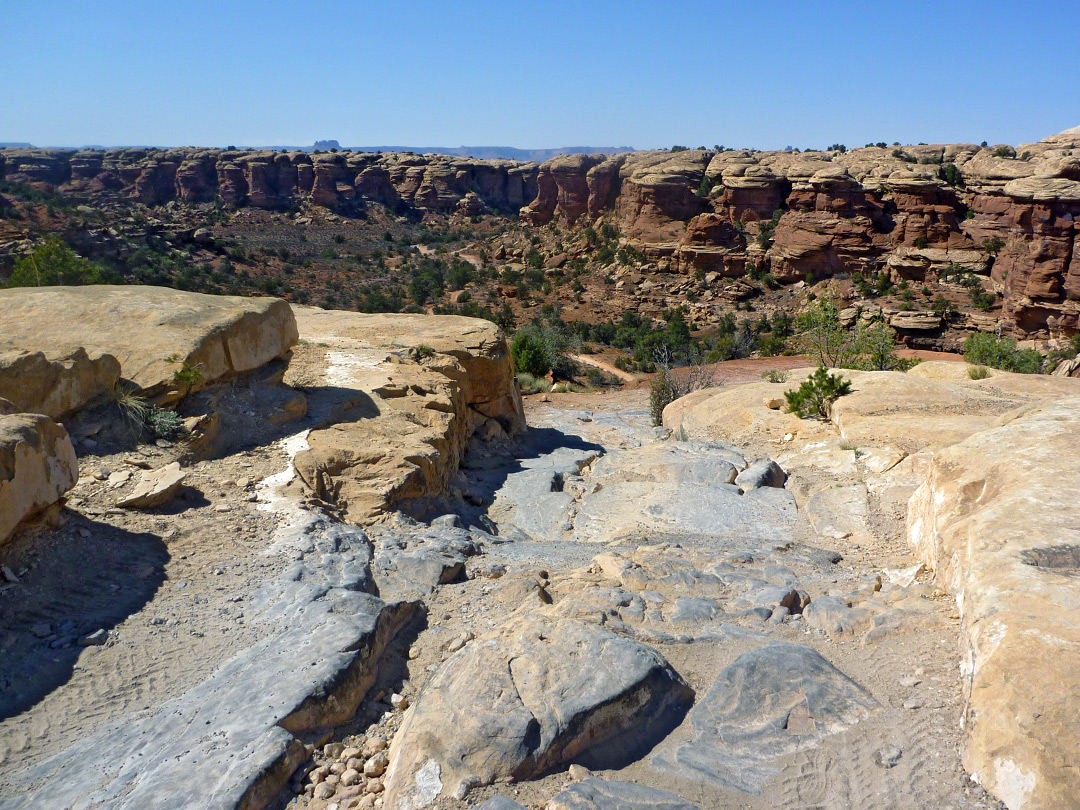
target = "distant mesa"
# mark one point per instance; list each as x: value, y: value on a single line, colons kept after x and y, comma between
x: 325, y: 146
x: 500, y: 152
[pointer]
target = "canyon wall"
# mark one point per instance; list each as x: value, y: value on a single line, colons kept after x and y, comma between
x: 1008, y: 215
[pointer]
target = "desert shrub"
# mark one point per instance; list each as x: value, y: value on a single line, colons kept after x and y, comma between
x: 53, y: 263
x: 815, y: 396
x: 543, y: 346
x: 978, y: 372
x: 774, y: 375
x: 667, y: 386
x: 530, y: 355
x: 984, y: 349
x: 951, y: 175
x: 163, y: 424
x: 531, y: 384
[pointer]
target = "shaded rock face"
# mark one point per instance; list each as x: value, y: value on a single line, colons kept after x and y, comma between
x: 35, y: 383
x: 528, y: 698
x: 416, y: 415
x: 267, y: 179
x: 37, y: 466
x: 1014, y: 571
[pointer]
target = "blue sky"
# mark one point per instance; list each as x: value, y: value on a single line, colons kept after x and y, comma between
x: 540, y: 74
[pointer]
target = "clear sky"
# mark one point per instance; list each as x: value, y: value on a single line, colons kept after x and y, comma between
x: 536, y: 74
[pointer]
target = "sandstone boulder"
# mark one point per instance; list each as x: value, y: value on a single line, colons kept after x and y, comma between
x: 417, y: 387
x: 1001, y: 534
x: 527, y: 698
x: 155, y: 487
x: 168, y: 341
x: 57, y: 386
x: 37, y: 466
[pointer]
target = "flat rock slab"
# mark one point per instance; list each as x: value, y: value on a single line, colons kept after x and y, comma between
x: 229, y: 742
x: 596, y: 794
x: 770, y: 702
x: 839, y: 512
x: 37, y: 466
x: 155, y: 487
x: 144, y: 327
x: 527, y: 698
x: 704, y: 513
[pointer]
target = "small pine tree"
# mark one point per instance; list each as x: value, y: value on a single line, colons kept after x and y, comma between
x: 815, y: 396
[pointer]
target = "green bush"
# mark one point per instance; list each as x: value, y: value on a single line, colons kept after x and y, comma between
x: 816, y: 395
x: 530, y: 355
x: 661, y: 394
x: 53, y: 263
x: 984, y: 349
x: 978, y: 372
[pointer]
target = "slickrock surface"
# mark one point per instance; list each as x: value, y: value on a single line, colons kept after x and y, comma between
x: 992, y: 523
x: 154, y: 332
x: 1002, y: 533
x: 590, y: 614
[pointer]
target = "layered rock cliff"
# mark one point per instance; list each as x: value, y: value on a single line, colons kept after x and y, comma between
x: 1009, y: 215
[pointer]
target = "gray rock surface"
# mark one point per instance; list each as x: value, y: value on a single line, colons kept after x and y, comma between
x: 772, y: 701
x: 527, y: 698
x: 230, y: 741
x: 762, y: 473
x: 596, y: 794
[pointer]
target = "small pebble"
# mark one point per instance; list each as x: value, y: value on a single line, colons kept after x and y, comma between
x: 888, y: 756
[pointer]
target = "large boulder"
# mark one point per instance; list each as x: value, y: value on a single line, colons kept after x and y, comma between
x: 996, y: 520
x: 526, y: 699
x: 168, y: 342
x: 37, y: 466
x: 55, y: 386
x: 419, y: 387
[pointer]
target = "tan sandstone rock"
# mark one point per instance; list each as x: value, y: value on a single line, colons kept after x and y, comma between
x: 154, y: 332
x: 419, y: 387
x: 155, y: 487
x: 37, y: 466
x: 1000, y: 531
x: 55, y: 386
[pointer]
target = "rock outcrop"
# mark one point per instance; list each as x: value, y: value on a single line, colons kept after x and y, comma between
x: 1001, y: 533
x: 55, y: 386
x: 37, y: 466
x: 991, y: 518
x: 421, y: 386
x: 526, y: 699
x: 168, y: 342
